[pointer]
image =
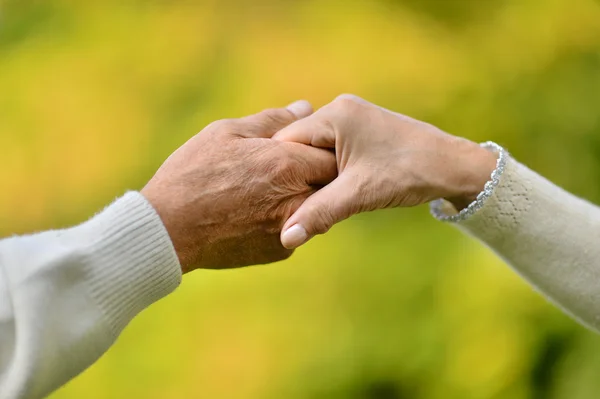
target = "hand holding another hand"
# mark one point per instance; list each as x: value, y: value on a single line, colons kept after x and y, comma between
x: 226, y: 193
x: 384, y: 160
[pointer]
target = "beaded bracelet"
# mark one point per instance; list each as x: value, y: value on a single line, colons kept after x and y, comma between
x: 488, y: 189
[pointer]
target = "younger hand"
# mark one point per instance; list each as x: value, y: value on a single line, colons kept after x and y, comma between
x: 384, y: 160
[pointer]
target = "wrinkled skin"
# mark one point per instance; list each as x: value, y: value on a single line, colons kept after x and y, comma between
x: 225, y: 194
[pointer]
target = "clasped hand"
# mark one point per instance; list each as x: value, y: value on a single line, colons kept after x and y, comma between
x: 248, y: 191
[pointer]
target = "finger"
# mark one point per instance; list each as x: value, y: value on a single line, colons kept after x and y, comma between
x: 323, y: 128
x: 336, y: 118
x: 266, y: 123
x: 301, y: 109
x: 316, y: 130
x: 328, y: 206
x: 319, y: 166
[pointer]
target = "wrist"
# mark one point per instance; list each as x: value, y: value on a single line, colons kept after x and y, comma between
x: 477, y: 165
x: 167, y: 219
x: 127, y: 258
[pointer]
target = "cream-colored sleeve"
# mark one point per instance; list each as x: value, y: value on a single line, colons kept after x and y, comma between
x: 66, y: 295
x: 549, y: 236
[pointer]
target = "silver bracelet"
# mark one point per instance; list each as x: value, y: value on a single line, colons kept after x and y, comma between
x: 437, y: 205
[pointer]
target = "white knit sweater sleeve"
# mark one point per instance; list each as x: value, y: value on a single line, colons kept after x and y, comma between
x: 66, y: 295
x: 548, y: 235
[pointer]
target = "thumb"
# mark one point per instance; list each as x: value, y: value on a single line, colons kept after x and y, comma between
x: 266, y: 123
x: 316, y: 130
x: 328, y: 206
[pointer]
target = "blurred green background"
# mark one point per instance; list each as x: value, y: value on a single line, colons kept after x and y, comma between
x: 94, y: 95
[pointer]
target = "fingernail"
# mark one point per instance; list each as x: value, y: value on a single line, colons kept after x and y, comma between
x: 294, y: 236
x: 301, y: 108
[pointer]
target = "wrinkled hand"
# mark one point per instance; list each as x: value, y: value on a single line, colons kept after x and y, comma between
x: 384, y: 160
x: 225, y: 194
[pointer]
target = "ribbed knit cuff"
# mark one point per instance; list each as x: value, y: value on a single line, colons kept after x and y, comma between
x: 131, y: 262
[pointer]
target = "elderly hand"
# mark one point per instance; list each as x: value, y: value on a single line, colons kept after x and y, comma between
x: 384, y: 160
x: 225, y: 194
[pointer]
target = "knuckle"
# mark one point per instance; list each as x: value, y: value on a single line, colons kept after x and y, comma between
x: 348, y: 96
x: 345, y: 104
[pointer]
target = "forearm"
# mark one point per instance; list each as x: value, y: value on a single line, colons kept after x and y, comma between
x: 548, y: 236
x: 66, y: 295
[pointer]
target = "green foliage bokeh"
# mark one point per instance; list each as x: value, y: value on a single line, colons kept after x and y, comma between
x: 95, y: 95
